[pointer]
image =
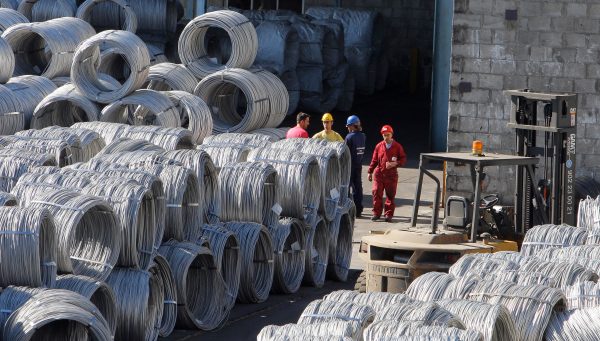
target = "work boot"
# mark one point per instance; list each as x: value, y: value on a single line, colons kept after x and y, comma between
x: 388, y: 219
x: 375, y: 218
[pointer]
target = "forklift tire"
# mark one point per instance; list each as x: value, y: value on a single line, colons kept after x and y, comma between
x: 361, y: 283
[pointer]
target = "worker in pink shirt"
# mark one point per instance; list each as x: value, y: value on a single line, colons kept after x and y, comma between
x: 299, y: 131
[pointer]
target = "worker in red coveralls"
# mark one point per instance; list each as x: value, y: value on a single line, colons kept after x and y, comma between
x: 299, y: 131
x: 387, y: 157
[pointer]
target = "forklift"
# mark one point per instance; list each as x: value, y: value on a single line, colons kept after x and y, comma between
x: 544, y: 193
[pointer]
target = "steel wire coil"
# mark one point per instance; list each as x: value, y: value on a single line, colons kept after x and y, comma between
x: 582, y: 295
x: 319, y: 311
x: 298, y: 177
x: 512, y: 256
x: 135, y: 160
x: 29, y: 91
x: 226, y: 155
x: 84, y: 143
x: 252, y: 141
x: 139, y: 301
x: 58, y: 180
x: 84, y: 73
x: 12, y: 298
x: 344, y: 158
x: 274, y: 134
x: 128, y: 145
x: 317, y: 251
x: 485, y: 265
x: 108, y: 131
x: 152, y: 108
x: 161, y: 270
x: 27, y: 246
x: 239, y: 100
x: 256, y: 249
x: 7, y: 199
x: 13, y: 165
x: 12, y: 118
x: 340, y: 245
x: 194, y: 114
x: 10, y: 17
x: 249, y: 193
x: 278, y: 97
x: 304, y: 337
x: 226, y: 249
x: 63, y: 314
x: 400, y: 330
x: 155, y: 17
x: 542, y: 237
x: 325, y: 329
x: 241, y: 32
x: 7, y: 57
x: 200, y: 287
x: 87, y: 232
x: 166, y: 138
x: 98, y: 292
x: 564, y: 274
x: 171, y: 77
x: 108, y: 14
x: 60, y: 150
x: 44, y: 10
x: 201, y: 164
x: 428, y: 313
x: 47, y: 48
x: 431, y: 286
x: 580, y: 324
x: 64, y: 107
x: 135, y: 207
x: 289, y: 243
x: 376, y: 300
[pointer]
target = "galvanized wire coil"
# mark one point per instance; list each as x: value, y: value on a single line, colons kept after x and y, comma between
x: 340, y: 245
x: 200, y: 287
x: 580, y: 324
x: 344, y: 158
x: 64, y: 107
x: 289, y: 243
x: 428, y: 313
x: 139, y: 298
x: 194, y: 114
x: 134, y: 160
x: 84, y: 74
x: 166, y: 138
x: 108, y: 14
x: 430, y: 286
x: 241, y: 32
x: 225, y: 90
x: 226, y: 155
x: 62, y: 36
x: 468, y: 263
x: 12, y: 118
x: 325, y: 329
x: 16, y: 162
x: 226, y: 249
x: 298, y: 177
x: 7, y: 199
x: 543, y: 237
x: 250, y: 140
x: 87, y: 232
x: 401, y: 330
x: 317, y: 251
x: 44, y: 10
x: 9, y: 17
x: 84, y: 143
x: 378, y: 301
x: 200, y: 163
x: 60, y: 150
x: 278, y: 97
x: 27, y: 236
x: 7, y: 65
x: 169, y: 76
x: 12, y: 298
x: 582, y: 295
x: 108, y: 131
x: 29, y: 91
x: 152, y: 108
x: 256, y: 248
x: 319, y: 311
x: 274, y: 134
x: 98, y: 292
x: 161, y: 270
x: 564, y: 274
x: 128, y: 145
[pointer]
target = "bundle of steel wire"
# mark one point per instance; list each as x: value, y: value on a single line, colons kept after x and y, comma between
x: 520, y: 277
x: 60, y: 308
x: 135, y: 159
x: 279, y: 98
x: 228, y: 91
x: 7, y: 66
x: 223, y: 155
x: 99, y: 293
x: 273, y: 134
x: 194, y: 114
x: 12, y: 118
x: 59, y: 38
x: 493, y: 321
x: 139, y: 303
x: 249, y: 193
x: 428, y: 313
x: 241, y: 32
x: 289, y: 244
x: 359, y: 316
x: 155, y: 17
x: 340, y: 245
x: 251, y: 140
x: 84, y: 73
x: 12, y: 298
x: 546, y: 236
x: 298, y: 177
x: 200, y: 287
x: 513, y: 256
x: 166, y: 138
x: 396, y: 330
x: 84, y: 143
x: 161, y: 270
x: 151, y: 108
x: 87, y: 232
x: 44, y: 10
x: 200, y: 163
x: 108, y: 131
x: 9, y: 17
x: 128, y: 145
x: 588, y: 217
x: 562, y: 272
x: 135, y: 207
x: 344, y: 158
x: 28, y: 238
x: 256, y: 248
x: 228, y: 258
x: 483, y: 264
x: 29, y: 91
x: 579, y: 324
x: 64, y: 107
x: 170, y: 77
x: 317, y: 251
x: 582, y: 295
x: 432, y: 286
x: 7, y: 199
x: 60, y: 150
x: 13, y: 166
x: 331, y: 330
x: 378, y: 301
x: 108, y: 14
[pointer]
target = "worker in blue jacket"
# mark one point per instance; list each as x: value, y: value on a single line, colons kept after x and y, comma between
x: 356, y: 143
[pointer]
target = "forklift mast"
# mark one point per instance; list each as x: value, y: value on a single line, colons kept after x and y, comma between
x: 553, y: 116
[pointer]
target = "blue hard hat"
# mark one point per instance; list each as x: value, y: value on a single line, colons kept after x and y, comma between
x: 352, y: 120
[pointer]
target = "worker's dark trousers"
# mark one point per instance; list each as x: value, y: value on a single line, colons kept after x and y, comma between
x: 357, y: 190
x: 387, y: 184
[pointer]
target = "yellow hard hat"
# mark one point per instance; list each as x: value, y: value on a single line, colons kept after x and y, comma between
x: 327, y: 117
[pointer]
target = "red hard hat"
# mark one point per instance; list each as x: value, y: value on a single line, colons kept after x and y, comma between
x: 387, y: 129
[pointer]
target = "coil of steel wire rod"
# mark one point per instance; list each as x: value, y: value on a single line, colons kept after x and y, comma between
x: 435, y: 282
x: 9, y: 17
x: 12, y: 167
x: 428, y: 313
x: 543, y: 237
x: 200, y: 287
x: 252, y: 141
x: 27, y: 237
x: 61, y: 37
x: 7, y: 65
x: 401, y: 330
x: 326, y: 329
x: 84, y: 73
x: 87, y: 232
x: 166, y: 138
x: 225, y: 155
x: 64, y: 107
x: 340, y: 245
x: 573, y: 325
x: 194, y: 114
x: 12, y: 118
x: 279, y: 97
x: 69, y: 182
x: 134, y: 160
x: 155, y: 17
x: 99, y: 293
x: 317, y: 251
x: 228, y: 258
x: 13, y: 297
x: 108, y: 131
x: 171, y: 77
x: 289, y: 243
x: 7, y: 199
x: 319, y: 311
x: 139, y: 299
x: 486, y: 265
x: 298, y: 177
x: 107, y: 14
x: 582, y: 295
x: 161, y: 270
x: 241, y: 32
x: 563, y: 273
x: 256, y: 248
x: 344, y: 158
x: 376, y: 300
x: 152, y: 108
x: 29, y: 92
x: 128, y: 145
x: 274, y: 134
x: 84, y: 143
x: 59, y: 149
x: 44, y: 10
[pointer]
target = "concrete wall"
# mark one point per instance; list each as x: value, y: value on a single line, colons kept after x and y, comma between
x: 550, y: 45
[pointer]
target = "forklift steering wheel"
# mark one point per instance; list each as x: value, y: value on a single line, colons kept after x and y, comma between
x: 489, y: 201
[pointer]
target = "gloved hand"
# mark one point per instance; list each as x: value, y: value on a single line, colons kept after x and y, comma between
x: 370, y: 177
